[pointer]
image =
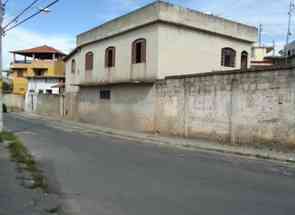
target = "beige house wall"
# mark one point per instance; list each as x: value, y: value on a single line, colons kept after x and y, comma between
x: 124, y: 70
x: 166, y: 12
x: 131, y: 107
x: 186, y: 51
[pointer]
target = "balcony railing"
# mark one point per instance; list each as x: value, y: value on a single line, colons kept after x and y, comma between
x: 22, y: 62
x: 36, y: 61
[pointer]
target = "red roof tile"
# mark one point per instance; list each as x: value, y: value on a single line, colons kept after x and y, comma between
x: 41, y: 49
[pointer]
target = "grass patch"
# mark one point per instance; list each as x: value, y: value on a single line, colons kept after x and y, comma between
x: 20, y: 154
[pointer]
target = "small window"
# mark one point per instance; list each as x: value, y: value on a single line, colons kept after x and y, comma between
x: 73, y: 66
x: 228, y: 57
x: 244, y: 60
x: 253, y: 53
x: 40, y: 91
x: 139, y: 51
x: 49, y: 92
x: 20, y: 74
x: 89, y: 61
x: 105, y: 94
x: 110, y: 57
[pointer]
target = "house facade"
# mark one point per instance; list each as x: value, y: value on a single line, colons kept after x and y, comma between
x: 112, y: 71
x: 259, y: 54
x: 39, y: 69
x: 38, y: 72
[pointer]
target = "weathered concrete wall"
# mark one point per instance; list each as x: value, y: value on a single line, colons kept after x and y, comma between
x: 71, y: 104
x: 166, y: 12
x: 232, y: 107
x: 14, y: 102
x: 48, y: 105
x: 131, y: 107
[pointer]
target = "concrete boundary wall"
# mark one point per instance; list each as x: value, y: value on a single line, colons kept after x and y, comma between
x: 231, y: 107
x: 49, y: 105
x: 251, y: 107
x: 14, y: 102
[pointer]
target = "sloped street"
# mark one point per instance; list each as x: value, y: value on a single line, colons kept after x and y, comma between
x: 95, y: 174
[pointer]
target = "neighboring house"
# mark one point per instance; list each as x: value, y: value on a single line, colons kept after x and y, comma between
x: 289, y: 50
x: 259, y: 54
x: 41, y: 69
x: 114, y: 66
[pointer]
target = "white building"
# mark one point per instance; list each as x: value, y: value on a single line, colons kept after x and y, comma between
x: 115, y: 65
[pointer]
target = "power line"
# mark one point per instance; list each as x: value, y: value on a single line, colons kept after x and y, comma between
x: 260, y: 34
x: 30, y: 17
x: 5, y: 3
x: 290, y: 13
x: 21, y: 13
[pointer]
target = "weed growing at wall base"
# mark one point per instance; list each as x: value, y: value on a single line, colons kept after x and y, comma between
x: 20, y: 154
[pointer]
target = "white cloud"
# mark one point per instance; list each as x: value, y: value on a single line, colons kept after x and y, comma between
x: 21, y: 38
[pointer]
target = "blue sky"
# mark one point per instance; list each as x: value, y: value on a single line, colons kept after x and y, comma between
x: 71, y: 17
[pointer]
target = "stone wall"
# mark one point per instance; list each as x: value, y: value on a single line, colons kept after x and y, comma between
x: 230, y: 107
x: 14, y: 102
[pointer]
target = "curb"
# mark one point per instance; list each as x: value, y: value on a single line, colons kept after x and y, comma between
x: 158, y: 141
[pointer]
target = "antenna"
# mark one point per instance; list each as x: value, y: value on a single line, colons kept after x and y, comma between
x: 260, y: 34
x: 289, y: 33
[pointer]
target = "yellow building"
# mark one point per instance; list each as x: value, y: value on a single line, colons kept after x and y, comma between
x: 40, y: 62
x: 259, y: 54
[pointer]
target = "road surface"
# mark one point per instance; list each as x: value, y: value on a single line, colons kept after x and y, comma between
x: 96, y: 174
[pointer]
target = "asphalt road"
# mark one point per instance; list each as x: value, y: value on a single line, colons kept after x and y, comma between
x: 106, y: 176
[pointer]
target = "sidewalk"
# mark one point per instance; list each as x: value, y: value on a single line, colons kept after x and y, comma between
x: 189, y: 144
x: 15, y: 197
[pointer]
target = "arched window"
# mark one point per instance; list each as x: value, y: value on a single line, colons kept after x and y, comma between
x: 139, y: 51
x: 228, y: 57
x: 73, y: 66
x: 244, y: 60
x: 89, y: 61
x: 110, y: 57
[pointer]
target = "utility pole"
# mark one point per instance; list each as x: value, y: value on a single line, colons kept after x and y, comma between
x: 289, y: 33
x: 260, y: 34
x: 10, y: 26
x: 1, y: 66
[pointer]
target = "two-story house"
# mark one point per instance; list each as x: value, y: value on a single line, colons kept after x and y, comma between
x: 39, y: 70
x: 113, y: 69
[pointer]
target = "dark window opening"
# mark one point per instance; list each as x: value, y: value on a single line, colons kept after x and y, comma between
x: 73, y: 69
x: 138, y: 58
x: 40, y: 72
x: 139, y: 51
x: 110, y: 59
x: 228, y: 57
x: 20, y: 74
x: 49, y: 92
x: 244, y: 60
x: 105, y: 94
x: 89, y: 61
x: 110, y: 56
x: 40, y: 91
